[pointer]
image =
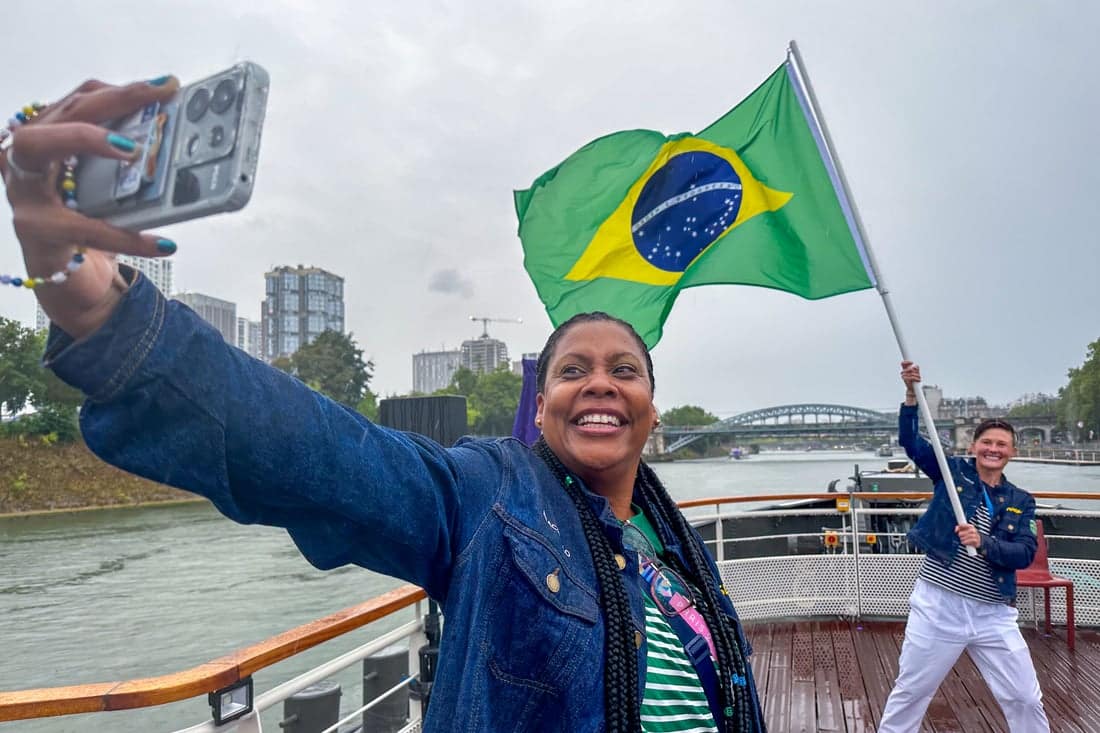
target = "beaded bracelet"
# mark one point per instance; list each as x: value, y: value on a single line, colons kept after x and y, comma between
x: 21, y: 117
x: 55, y: 279
x: 67, y: 188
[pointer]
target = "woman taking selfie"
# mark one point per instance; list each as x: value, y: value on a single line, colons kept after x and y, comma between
x: 576, y: 595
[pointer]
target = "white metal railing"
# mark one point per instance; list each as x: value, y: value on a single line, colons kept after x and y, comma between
x: 252, y: 723
x: 844, y: 581
x: 1060, y: 455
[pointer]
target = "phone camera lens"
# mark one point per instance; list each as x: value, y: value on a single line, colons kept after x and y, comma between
x: 188, y: 189
x: 196, y: 106
x: 224, y: 94
x: 217, y: 136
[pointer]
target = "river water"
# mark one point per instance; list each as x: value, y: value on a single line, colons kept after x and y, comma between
x: 120, y: 594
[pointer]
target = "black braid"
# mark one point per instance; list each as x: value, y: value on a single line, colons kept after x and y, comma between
x: 620, y: 675
x: 621, y: 705
x: 731, y: 656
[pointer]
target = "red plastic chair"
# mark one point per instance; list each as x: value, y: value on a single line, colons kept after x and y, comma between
x: 1037, y: 575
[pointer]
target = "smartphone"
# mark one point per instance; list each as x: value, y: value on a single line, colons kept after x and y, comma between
x: 198, y: 154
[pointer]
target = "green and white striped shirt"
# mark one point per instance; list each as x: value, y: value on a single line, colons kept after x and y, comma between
x: 674, y: 700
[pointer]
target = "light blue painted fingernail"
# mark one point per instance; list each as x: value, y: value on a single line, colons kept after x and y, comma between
x: 121, y: 142
x: 160, y: 80
x: 166, y: 246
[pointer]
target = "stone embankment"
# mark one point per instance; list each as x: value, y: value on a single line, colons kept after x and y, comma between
x: 37, y: 477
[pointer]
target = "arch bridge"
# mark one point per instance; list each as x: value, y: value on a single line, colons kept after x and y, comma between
x: 789, y: 421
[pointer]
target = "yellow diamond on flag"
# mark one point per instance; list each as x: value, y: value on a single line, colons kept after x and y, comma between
x: 692, y: 195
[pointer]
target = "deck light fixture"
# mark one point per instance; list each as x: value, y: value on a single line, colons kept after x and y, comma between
x: 231, y: 702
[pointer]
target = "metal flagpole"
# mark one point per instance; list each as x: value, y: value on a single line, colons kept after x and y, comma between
x: 802, y: 83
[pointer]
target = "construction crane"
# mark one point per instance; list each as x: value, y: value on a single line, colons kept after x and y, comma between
x: 485, y: 323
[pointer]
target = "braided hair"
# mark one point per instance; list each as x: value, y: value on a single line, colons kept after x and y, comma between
x: 621, y: 704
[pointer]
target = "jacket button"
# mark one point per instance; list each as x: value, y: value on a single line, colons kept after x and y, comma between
x: 620, y: 561
x: 1011, y: 527
x: 1000, y: 500
x: 1000, y: 579
x: 552, y: 582
x: 638, y: 639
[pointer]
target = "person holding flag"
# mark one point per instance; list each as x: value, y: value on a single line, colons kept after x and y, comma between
x: 963, y: 602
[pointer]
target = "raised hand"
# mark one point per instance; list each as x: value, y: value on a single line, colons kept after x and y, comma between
x: 49, y: 232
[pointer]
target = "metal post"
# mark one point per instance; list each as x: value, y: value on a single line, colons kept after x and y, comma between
x: 853, y: 509
x: 416, y: 642
x: 847, y: 202
x: 719, y: 541
x: 421, y: 687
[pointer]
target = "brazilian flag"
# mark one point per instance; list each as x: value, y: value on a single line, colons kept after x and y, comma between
x: 631, y: 219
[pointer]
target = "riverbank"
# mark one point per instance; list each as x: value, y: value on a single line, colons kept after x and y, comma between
x: 35, y: 477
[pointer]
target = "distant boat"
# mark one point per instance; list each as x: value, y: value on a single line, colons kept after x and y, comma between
x: 885, y: 451
x: 736, y: 454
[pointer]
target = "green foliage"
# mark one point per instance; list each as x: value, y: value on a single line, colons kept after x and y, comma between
x: 23, y: 381
x: 368, y: 406
x: 687, y: 415
x: 17, y: 488
x: 333, y: 365
x: 1039, y: 405
x: 463, y: 383
x: 495, y: 399
x: 491, y: 399
x: 1080, y: 398
x: 20, y: 373
x: 52, y: 423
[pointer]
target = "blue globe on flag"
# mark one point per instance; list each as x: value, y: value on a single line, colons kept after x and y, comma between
x: 683, y: 208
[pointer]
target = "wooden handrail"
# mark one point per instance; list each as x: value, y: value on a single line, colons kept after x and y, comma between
x: 97, y: 697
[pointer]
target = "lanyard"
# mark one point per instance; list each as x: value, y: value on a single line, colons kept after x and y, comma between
x: 988, y: 504
x: 698, y: 645
x: 685, y: 609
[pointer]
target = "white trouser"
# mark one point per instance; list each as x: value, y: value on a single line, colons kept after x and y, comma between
x: 941, y: 625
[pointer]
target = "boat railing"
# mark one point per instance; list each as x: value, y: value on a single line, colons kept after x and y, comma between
x: 791, y: 555
x: 221, y: 675
x: 821, y: 555
x: 1057, y: 454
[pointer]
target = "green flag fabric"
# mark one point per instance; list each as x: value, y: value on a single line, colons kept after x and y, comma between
x: 630, y: 219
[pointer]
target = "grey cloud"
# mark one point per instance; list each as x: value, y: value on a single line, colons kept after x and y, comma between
x: 451, y: 282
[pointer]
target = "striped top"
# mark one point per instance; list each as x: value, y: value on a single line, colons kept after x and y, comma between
x: 968, y: 576
x: 674, y: 700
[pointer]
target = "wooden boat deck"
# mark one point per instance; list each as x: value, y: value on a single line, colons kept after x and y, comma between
x: 835, y: 675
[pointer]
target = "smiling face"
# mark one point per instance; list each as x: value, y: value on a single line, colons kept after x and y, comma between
x: 992, y: 450
x: 596, y: 406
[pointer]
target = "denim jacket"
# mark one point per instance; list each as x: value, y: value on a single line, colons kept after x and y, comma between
x: 482, y: 526
x: 1010, y: 545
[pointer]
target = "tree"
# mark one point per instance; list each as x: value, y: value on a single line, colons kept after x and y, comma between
x: 463, y: 382
x: 687, y: 415
x: 23, y: 379
x: 495, y: 399
x: 333, y: 365
x: 1080, y: 398
x: 1035, y: 405
x: 491, y: 399
x: 20, y: 372
x: 368, y: 407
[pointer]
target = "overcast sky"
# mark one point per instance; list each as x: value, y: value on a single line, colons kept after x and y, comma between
x: 397, y: 131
